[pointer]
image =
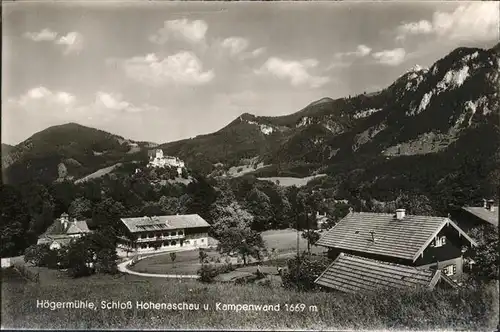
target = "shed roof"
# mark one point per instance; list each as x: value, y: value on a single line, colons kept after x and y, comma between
x: 353, y: 274
x: 484, y: 214
x: 406, y: 238
x: 142, y: 224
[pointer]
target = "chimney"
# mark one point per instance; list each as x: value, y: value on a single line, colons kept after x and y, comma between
x: 489, y: 205
x: 373, y: 236
x: 400, y: 214
x: 64, y: 220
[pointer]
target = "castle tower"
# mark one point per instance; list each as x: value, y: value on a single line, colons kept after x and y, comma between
x: 159, y: 154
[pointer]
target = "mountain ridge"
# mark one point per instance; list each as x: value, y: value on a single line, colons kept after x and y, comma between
x: 426, y: 115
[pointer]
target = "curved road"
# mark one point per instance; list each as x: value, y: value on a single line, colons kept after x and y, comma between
x: 123, y: 267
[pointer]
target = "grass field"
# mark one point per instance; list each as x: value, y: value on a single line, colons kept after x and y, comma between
x: 291, y: 181
x: 186, y: 262
x: 465, y: 310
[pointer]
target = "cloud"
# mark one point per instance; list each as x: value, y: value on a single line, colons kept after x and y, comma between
x: 40, y: 107
x: 115, y: 102
x: 361, y: 51
x: 43, y: 35
x: 235, y: 45
x: 73, y: 42
x: 478, y: 21
x: 390, y: 57
x: 45, y: 102
x: 258, y: 51
x: 414, y: 28
x: 346, y: 59
x: 42, y: 94
x: 181, y: 29
x: 294, y: 71
x: 181, y: 68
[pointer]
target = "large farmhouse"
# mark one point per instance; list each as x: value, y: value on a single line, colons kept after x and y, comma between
x: 148, y: 234
x: 63, y: 231
x: 372, y: 250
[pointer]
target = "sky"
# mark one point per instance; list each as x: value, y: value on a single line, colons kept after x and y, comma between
x: 159, y: 72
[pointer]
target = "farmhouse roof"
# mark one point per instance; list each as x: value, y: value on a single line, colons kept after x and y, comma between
x: 73, y: 227
x: 353, y: 274
x: 384, y: 234
x: 484, y: 214
x: 142, y: 224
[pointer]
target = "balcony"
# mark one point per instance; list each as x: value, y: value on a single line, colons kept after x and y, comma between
x: 161, y: 238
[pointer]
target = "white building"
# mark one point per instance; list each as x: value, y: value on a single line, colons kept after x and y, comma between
x: 148, y: 234
x: 159, y: 160
x: 62, y: 231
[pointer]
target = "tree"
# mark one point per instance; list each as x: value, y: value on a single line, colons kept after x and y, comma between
x: 14, y: 222
x: 95, y: 252
x: 79, y: 259
x: 173, y: 256
x: 312, y: 236
x: 232, y: 215
x: 37, y: 254
x: 244, y: 241
x: 486, y: 255
x: 170, y: 205
x: 202, y: 255
x: 80, y: 208
x: 259, y: 205
x: 415, y: 204
x: 103, y: 245
x: 107, y: 214
x: 202, y: 196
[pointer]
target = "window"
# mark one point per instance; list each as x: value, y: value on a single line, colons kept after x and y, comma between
x: 173, y: 243
x: 450, y: 270
x: 181, y: 233
x: 202, y: 240
x: 440, y: 241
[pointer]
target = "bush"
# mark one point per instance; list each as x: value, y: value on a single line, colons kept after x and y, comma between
x: 207, y: 273
x: 42, y: 255
x: 303, y: 270
x: 26, y: 273
x: 36, y: 254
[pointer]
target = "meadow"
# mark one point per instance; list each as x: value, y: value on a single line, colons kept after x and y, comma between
x: 187, y: 262
x: 457, y: 310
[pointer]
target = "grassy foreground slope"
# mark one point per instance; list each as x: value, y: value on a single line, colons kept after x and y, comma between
x: 467, y: 309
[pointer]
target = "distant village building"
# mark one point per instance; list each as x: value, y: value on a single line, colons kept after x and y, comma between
x: 148, y: 234
x: 470, y: 217
x: 63, y: 231
x: 321, y: 220
x: 157, y: 159
x: 373, y: 250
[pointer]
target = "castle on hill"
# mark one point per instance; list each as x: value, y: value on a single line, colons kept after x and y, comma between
x: 157, y: 159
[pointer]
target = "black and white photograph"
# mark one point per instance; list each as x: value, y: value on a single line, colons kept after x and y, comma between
x: 275, y: 165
